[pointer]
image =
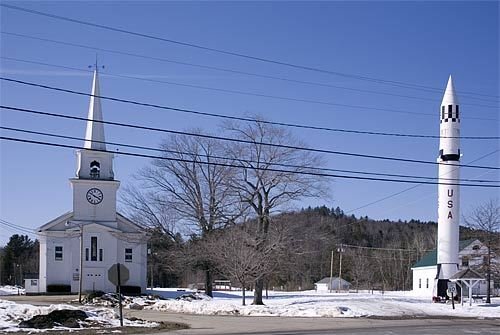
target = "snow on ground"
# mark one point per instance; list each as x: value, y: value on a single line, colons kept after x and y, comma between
x: 316, y: 304
x: 11, y: 290
x: 11, y: 314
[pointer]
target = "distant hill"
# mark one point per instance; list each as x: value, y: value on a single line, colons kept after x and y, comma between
x: 376, y: 253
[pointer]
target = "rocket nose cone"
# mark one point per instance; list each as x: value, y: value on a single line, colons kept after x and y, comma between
x: 449, y: 97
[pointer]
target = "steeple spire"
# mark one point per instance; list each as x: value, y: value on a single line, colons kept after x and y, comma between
x: 94, y: 136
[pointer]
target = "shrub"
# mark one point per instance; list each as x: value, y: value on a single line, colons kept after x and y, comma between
x: 58, y: 288
x: 130, y: 290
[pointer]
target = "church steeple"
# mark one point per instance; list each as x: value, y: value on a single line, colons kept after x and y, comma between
x: 94, y: 136
x: 93, y: 161
x: 95, y: 187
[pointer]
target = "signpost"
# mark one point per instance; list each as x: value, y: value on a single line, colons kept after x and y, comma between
x: 118, y: 274
x: 452, y: 287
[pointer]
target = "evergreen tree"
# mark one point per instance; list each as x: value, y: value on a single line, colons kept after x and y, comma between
x: 20, y: 256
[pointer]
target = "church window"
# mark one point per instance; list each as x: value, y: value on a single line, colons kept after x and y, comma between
x: 100, y: 255
x: 59, y: 253
x: 93, y: 248
x: 427, y: 283
x: 87, y: 254
x: 95, y: 169
x: 419, y: 282
x: 465, y: 261
x: 128, y: 255
x: 450, y: 109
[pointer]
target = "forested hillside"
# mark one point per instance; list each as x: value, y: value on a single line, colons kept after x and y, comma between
x: 376, y: 254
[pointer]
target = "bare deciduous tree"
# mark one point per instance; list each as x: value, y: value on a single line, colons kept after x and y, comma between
x: 485, y: 219
x: 360, y: 267
x: 191, y: 182
x: 237, y: 257
x: 146, y: 208
x: 265, y: 185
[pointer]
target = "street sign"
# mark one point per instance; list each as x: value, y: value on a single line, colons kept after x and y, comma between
x: 113, y: 274
x: 452, y: 289
x: 118, y: 274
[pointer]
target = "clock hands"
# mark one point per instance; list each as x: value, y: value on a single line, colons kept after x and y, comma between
x: 95, y: 196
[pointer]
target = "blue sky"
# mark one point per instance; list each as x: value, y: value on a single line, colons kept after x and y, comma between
x: 411, y: 42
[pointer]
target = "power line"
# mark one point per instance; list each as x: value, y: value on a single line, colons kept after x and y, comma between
x: 245, y: 119
x: 240, y: 160
x: 385, y: 249
x: 216, y: 115
x: 17, y: 227
x: 216, y: 89
x: 311, y: 83
x: 231, y: 53
x: 163, y: 130
x: 409, y: 188
x: 242, y: 166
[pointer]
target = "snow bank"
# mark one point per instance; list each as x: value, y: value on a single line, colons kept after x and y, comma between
x: 313, y: 304
x: 11, y: 314
x: 11, y: 290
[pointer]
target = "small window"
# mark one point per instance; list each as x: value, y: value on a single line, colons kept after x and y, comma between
x: 458, y: 115
x: 476, y: 247
x: 93, y: 249
x: 128, y: 255
x: 59, y: 253
x: 450, y: 109
x: 465, y: 262
x: 95, y: 169
x: 419, y: 282
x: 87, y: 254
x: 100, y: 255
x: 427, y: 283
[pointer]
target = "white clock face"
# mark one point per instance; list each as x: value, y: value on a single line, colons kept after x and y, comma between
x: 94, y: 196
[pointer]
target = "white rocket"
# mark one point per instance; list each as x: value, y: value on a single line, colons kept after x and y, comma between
x: 448, y: 196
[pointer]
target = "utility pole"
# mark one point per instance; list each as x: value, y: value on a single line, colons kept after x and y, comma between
x: 340, y: 250
x: 488, y: 275
x: 150, y: 252
x: 81, y: 266
x: 331, y: 272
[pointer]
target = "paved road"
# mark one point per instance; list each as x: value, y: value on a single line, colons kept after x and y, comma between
x: 233, y: 325
x: 229, y: 325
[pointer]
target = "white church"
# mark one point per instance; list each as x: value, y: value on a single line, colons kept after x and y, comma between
x: 84, y: 243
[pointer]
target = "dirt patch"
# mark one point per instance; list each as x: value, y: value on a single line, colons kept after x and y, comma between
x: 62, y: 318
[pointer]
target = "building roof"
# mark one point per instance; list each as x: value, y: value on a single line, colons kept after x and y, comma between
x: 59, y: 224
x: 326, y: 280
x: 430, y: 258
x: 467, y: 274
x: 94, y: 136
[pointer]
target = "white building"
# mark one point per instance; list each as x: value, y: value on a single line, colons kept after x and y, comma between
x: 471, y: 254
x: 334, y: 284
x: 94, y: 233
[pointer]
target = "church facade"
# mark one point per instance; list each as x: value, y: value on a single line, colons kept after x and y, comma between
x: 83, y: 244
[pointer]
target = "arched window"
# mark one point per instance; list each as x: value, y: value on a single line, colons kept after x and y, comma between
x: 95, y: 169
